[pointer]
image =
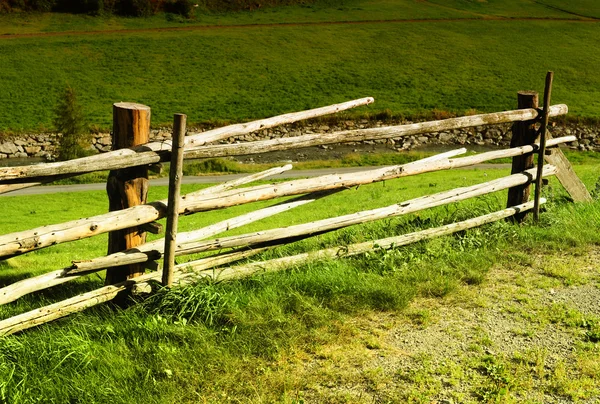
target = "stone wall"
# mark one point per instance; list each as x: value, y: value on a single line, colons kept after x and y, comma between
x: 588, y: 137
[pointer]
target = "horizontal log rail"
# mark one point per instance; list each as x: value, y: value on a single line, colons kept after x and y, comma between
x: 279, y: 264
x: 30, y: 240
x: 107, y: 293
x: 154, y: 250
x: 155, y: 152
x: 278, y: 235
x: 45, y: 236
x: 357, y: 135
x: 190, y: 272
x: 11, y: 178
x: 269, y: 191
x: 149, y: 251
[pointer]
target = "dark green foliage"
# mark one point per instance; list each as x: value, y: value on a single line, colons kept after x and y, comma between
x: 92, y: 7
x: 181, y: 7
x: 70, y: 122
x: 135, y: 8
x: 26, y: 5
x: 236, y: 5
x: 138, y: 8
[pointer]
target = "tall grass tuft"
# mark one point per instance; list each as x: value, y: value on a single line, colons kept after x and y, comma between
x: 200, y: 302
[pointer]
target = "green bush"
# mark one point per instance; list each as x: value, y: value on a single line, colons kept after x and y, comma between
x: 181, y: 7
x: 70, y: 122
x: 136, y: 8
x: 27, y: 5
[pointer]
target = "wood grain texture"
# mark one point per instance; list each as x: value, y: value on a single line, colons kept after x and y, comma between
x: 523, y: 133
x: 175, y: 177
x: 567, y: 176
x: 127, y: 187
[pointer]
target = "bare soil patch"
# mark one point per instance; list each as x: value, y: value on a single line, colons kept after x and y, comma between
x: 520, y: 336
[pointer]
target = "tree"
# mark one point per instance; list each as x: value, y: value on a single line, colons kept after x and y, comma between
x: 70, y: 122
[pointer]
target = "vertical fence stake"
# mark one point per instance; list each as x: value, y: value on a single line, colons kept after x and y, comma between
x: 542, y: 151
x: 175, y: 176
x: 127, y: 187
x: 523, y: 133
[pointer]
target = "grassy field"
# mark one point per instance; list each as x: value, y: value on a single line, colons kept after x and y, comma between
x: 246, y: 341
x: 240, y: 73
x: 318, y: 11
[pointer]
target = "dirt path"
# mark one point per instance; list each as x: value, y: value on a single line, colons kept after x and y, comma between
x: 521, y: 336
x: 291, y: 24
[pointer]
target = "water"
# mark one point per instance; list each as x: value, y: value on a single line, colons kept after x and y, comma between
x: 21, y: 161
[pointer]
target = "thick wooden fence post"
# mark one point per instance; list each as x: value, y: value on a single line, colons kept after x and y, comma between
x: 523, y: 133
x: 175, y: 177
x: 129, y: 186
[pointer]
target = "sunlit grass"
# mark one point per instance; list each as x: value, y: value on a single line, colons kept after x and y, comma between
x: 222, y: 342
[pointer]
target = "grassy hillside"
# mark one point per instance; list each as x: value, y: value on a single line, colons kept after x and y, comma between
x: 237, y: 340
x: 239, y: 73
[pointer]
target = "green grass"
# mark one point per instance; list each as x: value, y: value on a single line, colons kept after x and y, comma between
x: 230, y: 342
x: 319, y: 11
x: 410, y: 68
x: 586, y: 8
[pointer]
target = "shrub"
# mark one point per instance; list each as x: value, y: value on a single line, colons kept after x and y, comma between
x: 26, y: 5
x: 181, y: 7
x: 70, y: 122
x: 136, y: 8
x: 41, y: 5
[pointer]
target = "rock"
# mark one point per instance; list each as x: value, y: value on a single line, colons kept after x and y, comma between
x: 105, y: 141
x: 32, y: 150
x: 446, y: 137
x: 8, y: 148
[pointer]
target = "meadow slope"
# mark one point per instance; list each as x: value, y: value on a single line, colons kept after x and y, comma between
x: 458, y: 57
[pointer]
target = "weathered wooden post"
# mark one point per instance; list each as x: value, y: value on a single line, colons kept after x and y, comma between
x: 523, y: 133
x: 542, y: 150
x: 127, y: 187
x: 175, y: 176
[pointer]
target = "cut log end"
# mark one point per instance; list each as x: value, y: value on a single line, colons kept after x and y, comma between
x: 131, y: 105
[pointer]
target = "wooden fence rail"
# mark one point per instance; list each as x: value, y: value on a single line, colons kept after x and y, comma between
x: 192, y: 271
x: 30, y: 240
x: 227, y: 195
x: 12, y: 178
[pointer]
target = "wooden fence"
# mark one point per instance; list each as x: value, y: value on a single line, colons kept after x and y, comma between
x: 131, y: 215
